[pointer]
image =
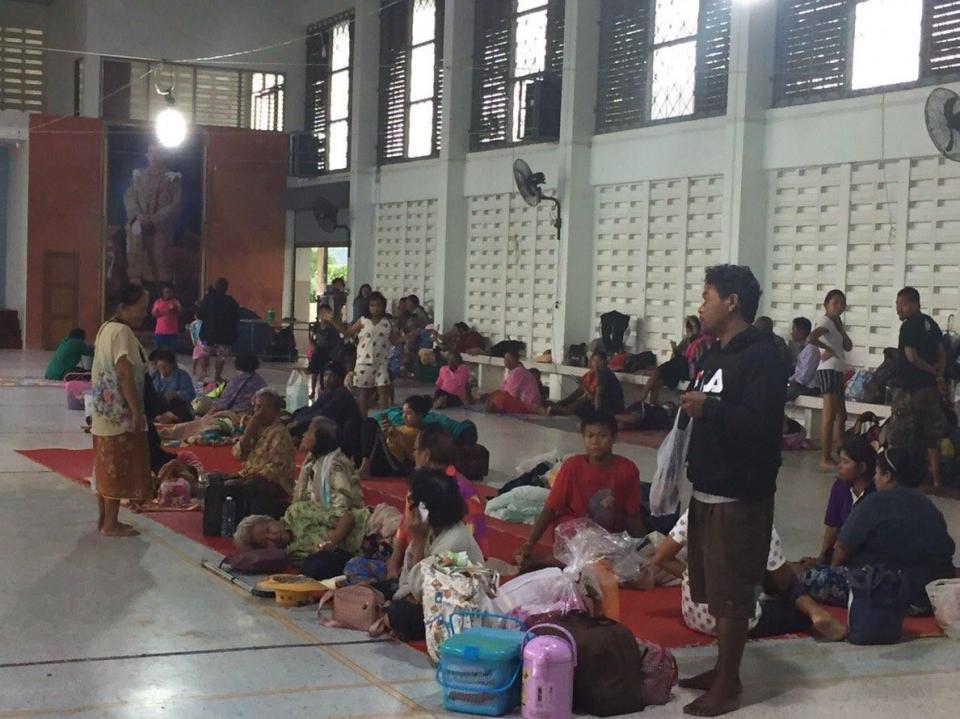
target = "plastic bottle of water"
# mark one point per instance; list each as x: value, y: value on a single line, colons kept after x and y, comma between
x: 228, y: 521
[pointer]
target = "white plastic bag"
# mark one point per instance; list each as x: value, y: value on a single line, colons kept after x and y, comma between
x: 671, y: 466
x: 945, y: 597
x: 298, y: 391
x: 553, y: 457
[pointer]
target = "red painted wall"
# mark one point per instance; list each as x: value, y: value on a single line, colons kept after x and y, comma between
x: 244, y: 232
x: 65, y: 212
x: 244, y: 227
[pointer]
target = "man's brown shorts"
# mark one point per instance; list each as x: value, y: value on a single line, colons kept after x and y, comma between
x: 727, y: 549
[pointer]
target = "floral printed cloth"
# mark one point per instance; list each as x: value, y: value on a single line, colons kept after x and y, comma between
x: 111, y: 413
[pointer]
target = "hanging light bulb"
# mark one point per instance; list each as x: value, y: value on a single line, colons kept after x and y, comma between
x: 171, y: 124
x: 171, y: 127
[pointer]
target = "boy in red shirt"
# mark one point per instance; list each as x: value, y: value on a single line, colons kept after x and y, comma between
x: 167, y: 311
x: 599, y: 485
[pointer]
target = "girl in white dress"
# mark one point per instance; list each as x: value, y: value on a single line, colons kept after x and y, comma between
x: 375, y: 336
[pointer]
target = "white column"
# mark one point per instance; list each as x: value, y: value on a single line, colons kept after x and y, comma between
x: 573, y: 322
x: 452, y: 209
x: 364, y: 140
x: 749, y: 92
x: 286, y: 304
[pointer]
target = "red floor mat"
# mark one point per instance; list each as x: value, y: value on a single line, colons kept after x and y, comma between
x: 75, y: 464
x: 653, y: 615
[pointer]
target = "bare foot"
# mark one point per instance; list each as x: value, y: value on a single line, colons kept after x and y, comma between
x: 714, y: 703
x: 827, y: 628
x: 121, y: 530
x: 702, y: 682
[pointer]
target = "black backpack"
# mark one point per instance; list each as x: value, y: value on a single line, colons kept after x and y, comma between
x: 607, y: 679
x: 577, y: 355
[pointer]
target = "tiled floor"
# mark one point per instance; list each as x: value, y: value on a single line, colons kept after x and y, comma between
x: 94, y: 627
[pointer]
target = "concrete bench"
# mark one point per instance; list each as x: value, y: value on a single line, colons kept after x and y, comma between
x: 559, y: 378
x: 806, y: 410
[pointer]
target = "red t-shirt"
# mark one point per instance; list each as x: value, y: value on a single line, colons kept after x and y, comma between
x: 607, y: 495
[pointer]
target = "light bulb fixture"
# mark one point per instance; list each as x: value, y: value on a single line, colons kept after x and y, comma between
x: 171, y: 124
x: 171, y: 127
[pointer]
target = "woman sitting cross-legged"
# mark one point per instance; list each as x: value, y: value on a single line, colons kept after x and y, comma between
x: 174, y: 388
x: 519, y: 393
x: 387, y: 450
x: 434, y: 518
x: 897, y: 527
x: 855, y: 472
x: 773, y: 616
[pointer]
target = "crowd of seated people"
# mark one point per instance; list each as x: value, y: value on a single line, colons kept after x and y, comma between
x: 319, y: 515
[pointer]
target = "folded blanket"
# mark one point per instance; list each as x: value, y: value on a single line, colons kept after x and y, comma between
x: 522, y: 504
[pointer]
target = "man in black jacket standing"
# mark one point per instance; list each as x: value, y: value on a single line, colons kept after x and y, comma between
x: 220, y: 324
x: 733, y: 459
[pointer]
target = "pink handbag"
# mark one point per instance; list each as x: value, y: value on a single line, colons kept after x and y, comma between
x: 659, y: 673
x: 358, y: 606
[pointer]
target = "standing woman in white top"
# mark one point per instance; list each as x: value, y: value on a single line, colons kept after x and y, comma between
x: 832, y: 340
x: 121, y: 455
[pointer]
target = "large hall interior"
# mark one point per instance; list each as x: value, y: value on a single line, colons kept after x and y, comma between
x: 436, y: 358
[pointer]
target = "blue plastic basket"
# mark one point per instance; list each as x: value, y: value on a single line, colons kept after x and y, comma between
x: 479, y: 669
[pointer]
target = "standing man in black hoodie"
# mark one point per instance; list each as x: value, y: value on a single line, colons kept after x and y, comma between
x: 733, y: 459
x: 220, y: 324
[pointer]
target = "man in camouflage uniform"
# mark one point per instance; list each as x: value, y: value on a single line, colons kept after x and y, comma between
x: 153, y: 204
x: 918, y: 422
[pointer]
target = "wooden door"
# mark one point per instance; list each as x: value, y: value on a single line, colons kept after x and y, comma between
x: 61, y: 296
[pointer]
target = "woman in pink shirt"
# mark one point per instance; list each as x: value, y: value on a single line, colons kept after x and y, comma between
x: 167, y: 312
x: 453, y: 383
x: 519, y: 393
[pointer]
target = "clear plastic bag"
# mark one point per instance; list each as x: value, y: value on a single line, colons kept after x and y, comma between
x: 542, y: 594
x: 580, y: 543
x: 598, y: 562
x: 671, y: 466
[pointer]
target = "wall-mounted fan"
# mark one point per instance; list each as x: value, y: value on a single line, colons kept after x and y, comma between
x: 942, y: 114
x: 326, y: 216
x: 528, y: 185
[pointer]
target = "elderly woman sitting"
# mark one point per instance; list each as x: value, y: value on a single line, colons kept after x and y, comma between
x: 327, y: 521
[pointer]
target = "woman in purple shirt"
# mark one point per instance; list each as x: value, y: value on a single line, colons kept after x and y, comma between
x: 239, y: 392
x: 854, y: 481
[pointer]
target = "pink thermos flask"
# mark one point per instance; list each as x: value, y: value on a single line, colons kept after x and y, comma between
x: 548, y: 664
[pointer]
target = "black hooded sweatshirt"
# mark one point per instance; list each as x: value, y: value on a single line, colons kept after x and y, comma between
x: 735, y: 447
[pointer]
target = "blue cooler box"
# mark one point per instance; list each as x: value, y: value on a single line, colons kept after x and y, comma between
x: 479, y: 671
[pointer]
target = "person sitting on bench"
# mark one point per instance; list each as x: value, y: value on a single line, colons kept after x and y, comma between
x: 599, y: 390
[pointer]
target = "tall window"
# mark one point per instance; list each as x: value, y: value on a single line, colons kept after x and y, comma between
x: 205, y: 95
x: 411, y: 71
x: 518, y: 59
x: 674, y: 58
x: 886, y: 43
x: 329, y: 61
x: 21, y: 69
x: 422, y: 82
x: 829, y: 49
x: 662, y: 60
x: 266, y: 111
